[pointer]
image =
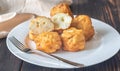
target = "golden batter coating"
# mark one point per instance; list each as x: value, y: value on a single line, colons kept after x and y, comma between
x: 48, y: 42
x: 39, y: 25
x: 61, y: 8
x: 84, y: 22
x: 73, y: 39
x: 31, y: 35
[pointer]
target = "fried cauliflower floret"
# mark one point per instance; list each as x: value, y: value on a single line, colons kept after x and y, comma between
x: 73, y: 39
x: 39, y: 25
x: 84, y: 22
x: 61, y: 8
x: 61, y: 21
x: 32, y: 36
x: 48, y: 42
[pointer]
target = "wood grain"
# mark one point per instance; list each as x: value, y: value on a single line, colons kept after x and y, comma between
x: 8, y: 62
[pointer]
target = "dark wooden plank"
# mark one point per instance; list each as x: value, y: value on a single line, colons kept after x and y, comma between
x: 8, y: 62
x: 30, y: 67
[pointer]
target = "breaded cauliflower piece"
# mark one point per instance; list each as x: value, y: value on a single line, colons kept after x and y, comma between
x: 84, y: 22
x: 39, y: 25
x: 73, y: 39
x: 61, y: 8
x: 48, y: 42
x: 31, y: 35
x: 61, y: 21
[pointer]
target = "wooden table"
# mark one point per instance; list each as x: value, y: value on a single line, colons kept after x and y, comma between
x: 105, y: 10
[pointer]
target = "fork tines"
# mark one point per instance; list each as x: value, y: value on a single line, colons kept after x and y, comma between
x: 18, y: 44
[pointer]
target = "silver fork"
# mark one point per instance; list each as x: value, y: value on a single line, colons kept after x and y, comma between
x: 23, y: 48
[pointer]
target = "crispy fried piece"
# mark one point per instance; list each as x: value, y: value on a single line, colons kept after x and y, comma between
x: 48, y: 42
x: 31, y: 35
x: 61, y: 21
x: 84, y: 22
x: 61, y: 8
x: 39, y: 25
x: 73, y: 39
x: 60, y: 31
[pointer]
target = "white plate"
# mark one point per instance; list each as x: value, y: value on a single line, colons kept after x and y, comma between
x: 103, y: 46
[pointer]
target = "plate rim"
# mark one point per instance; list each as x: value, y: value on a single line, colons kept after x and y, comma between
x: 7, y: 41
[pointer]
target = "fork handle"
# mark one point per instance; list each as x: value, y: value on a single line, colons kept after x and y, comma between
x: 69, y: 62
x: 78, y: 65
